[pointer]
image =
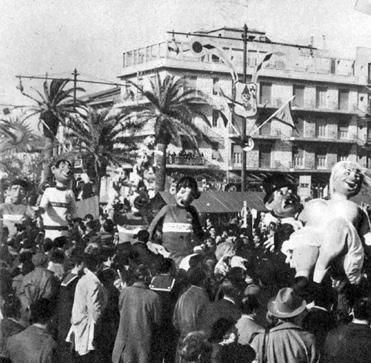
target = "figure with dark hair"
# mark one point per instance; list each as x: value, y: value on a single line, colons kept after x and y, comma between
x: 140, y: 318
x: 14, y: 211
x: 58, y: 203
x: 167, y: 287
x: 351, y: 343
x: 65, y: 303
x: 111, y: 314
x: 89, y: 302
x: 35, y: 344
x: 40, y: 283
x: 11, y: 323
x: 179, y: 223
x: 190, y: 305
x: 228, y: 307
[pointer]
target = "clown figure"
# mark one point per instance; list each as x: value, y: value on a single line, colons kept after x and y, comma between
x: 179, y: 223
x: 58, y: 203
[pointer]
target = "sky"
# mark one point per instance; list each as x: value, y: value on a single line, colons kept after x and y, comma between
x: 56, y: 36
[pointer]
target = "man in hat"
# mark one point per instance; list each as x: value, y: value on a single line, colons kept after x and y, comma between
x: 286, y: 341
x: 14, y: 211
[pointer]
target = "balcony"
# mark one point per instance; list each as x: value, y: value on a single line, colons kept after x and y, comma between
x: 176, y: 160
x: 179, y: 51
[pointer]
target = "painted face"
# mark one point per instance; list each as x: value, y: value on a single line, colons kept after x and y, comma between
x: 348, y: 181
x: 184, y: 196
x: 63, y: 173
x: 16, y: 193
x: 285, y: 203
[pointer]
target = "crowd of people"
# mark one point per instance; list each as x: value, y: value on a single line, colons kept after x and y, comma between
x: 87, y: 296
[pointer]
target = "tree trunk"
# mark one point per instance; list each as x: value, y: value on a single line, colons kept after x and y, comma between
x: 48, y: 155
x: 160, y: 157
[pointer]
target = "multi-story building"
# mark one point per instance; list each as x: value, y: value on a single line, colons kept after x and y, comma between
x: 331, y: 109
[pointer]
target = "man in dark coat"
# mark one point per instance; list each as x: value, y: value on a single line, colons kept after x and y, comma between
x: 34, y: 344
x: 140, y: 316
x: 227, y: 307
x: 65, y: 303
x: 351, y: 343
x: 190, y: 305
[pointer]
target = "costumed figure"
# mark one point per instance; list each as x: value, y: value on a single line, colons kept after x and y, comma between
x: 179, y: 223
x: 58, y: 203
x: 335, y: 231
x: 137, y: 219
x: 14, y: 211
x: 284, y: 207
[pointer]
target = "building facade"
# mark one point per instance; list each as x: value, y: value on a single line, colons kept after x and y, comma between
x: 331, y: 109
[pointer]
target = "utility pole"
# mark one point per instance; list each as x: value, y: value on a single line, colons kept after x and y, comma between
x: 75, y: 74
x: 243, y: 128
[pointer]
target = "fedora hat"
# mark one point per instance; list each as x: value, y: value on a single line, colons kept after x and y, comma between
x: 286, y: 304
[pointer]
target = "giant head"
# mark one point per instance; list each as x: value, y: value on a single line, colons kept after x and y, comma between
x: 186, y: 191
x: 62, y: 171
x: 281, y: 198
x: 346, y: 179
x: 17, y: 191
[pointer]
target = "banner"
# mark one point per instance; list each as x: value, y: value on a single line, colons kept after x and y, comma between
x: 88, y: 206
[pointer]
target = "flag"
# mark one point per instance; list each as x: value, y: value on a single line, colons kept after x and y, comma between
x: 364, y: 6
x: 173, y: 47
x: 266, y: 58
x: 283, y: 114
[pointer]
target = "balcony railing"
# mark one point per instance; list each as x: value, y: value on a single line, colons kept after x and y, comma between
x: 185, y: 160
x: 180, y: 51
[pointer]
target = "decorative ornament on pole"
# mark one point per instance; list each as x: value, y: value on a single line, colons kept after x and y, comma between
x: 248, y: 144
x: 200, y: 47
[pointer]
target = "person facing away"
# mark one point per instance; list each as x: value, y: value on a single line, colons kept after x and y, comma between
x: 351, y: 343
x: 286, y: 341
x: 140, y: 318
x: 35, y: 344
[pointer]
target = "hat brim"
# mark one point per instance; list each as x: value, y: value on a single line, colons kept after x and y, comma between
x: 273, y: 309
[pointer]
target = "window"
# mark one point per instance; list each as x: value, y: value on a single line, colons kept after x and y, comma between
x: 265, y: 130
x: 343, y: 130
x: 369, y: 73
x: 321, y: 128
x: 216, y: 86
x: 299, y: 96
x: 215, y: 58
x: 298, y: 157
x: 190, y: 82
x: 265, y: 93
x: 321, y: 97
x: 368, y: 161
x: 236, y: 158
x: 265, y: 156
x: 252, y: 57
x: 343, y: 100
x: 333, y: 66
x: 321, y: 159
x: 215, y: 118
x: 342, y: 156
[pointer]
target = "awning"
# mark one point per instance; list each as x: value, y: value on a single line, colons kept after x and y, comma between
x: 220, y: 202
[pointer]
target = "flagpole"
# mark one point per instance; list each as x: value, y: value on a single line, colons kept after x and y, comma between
x: 243, y: 128
x: 272, y: 115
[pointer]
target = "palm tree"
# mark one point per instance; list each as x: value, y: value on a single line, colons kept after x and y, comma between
x: 172, y: 109
x: 54, y: 105
x: 16, y: 136
x: 94, y: 136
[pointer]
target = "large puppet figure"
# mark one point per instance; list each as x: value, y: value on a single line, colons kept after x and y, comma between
x: 335, y: 230
x: 179, y: 223
x: 58, y: 203
x: 14, y: 211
